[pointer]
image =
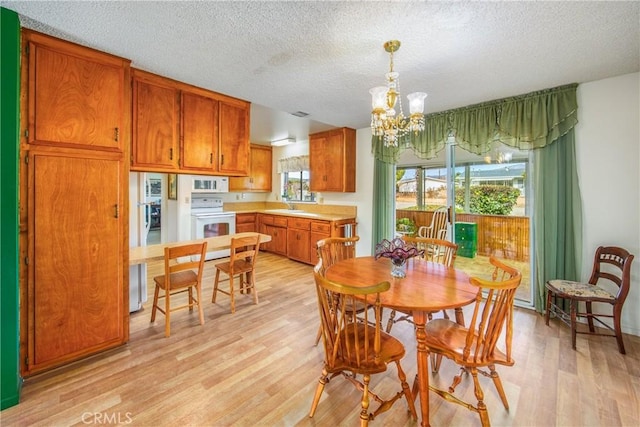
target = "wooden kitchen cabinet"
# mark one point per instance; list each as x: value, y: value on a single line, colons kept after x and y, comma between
x: 332, y: 160
x: 319, y: 230
x: 156, y: 119
x: 183, y: 128
x: 234, y: 137
x: 298, y: 235
x: 78, y: 97
x: 73, y: 186
x: 76, y: 304
x: 199, y: 133
x: 245, y: 222
x: 276, y: 227
x: 260, y: 171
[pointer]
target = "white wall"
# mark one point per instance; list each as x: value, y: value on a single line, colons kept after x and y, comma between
x: 608, y: 159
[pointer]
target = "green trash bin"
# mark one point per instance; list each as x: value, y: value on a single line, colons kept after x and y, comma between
x: 467, y: 239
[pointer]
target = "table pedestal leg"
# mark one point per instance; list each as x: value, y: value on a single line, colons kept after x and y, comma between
x: 419, y: 320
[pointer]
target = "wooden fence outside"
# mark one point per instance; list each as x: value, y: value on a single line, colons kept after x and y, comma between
x: 503, y: 236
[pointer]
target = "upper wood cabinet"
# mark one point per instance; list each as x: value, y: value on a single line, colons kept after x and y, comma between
x: 332, y: 160
x: 234, y: 137
x: 260, y: 171
x: 78, y: 97
x: 183, y: 128
x: 156, y: 116
x: 199, y: 148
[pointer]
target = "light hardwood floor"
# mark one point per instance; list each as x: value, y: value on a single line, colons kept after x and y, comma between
x: 259, y: 367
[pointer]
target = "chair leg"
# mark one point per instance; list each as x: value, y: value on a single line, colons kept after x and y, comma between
x: 215, y: 286
x: 498, y: 383
x: 617, y: 313
x: 232, y: 295
x: 407, y: 392
x: 190, y: 291
x: 156, y: 293
x: 364, y: 413
x: 390, y: 321
x: 592, y: 328
x: 167, y: 312
x: 436, y: 360
x: 199, y: 302
x: 573, y: 305
x: 318, y: 335
x: 319, y: 389
x: 252, y: 287
x: 482, y: 408
x: 548, y: 311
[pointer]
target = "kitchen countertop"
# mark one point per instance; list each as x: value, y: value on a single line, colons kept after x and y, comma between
x: 298, y: 213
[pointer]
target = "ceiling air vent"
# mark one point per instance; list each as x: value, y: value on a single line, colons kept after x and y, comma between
x: 300, y: 114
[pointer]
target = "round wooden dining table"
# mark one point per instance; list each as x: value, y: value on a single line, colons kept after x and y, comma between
x: 428, y: 287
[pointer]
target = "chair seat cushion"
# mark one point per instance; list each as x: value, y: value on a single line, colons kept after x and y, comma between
x: 449, y: 338
x: 578, y: 290
x: 181, y: 279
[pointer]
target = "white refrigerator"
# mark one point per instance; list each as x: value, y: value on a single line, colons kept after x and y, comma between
x: 139, y: 224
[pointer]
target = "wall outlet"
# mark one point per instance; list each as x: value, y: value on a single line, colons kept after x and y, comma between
x: 237, y: 197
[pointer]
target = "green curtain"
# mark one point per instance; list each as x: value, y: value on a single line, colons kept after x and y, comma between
x: 557, y: 215
x: 526, y: 122
x: 384, y: 202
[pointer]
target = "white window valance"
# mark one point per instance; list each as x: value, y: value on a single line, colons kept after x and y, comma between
x: 293, y: 164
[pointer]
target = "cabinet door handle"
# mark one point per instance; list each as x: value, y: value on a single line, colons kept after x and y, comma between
x: 117, y: 134
x: 116, y: 210
x: 170, y: 153
x: 222, y: 159
x: 211, y: 158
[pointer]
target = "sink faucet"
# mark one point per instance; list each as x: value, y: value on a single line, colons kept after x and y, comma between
x: 290, y: 205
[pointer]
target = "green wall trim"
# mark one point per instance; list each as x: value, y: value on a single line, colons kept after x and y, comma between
x: 10, y: 381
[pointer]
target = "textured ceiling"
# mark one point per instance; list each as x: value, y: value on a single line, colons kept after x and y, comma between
x: 323, y: 57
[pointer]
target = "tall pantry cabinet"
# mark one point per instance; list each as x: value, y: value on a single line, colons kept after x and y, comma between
x: 75, y: 127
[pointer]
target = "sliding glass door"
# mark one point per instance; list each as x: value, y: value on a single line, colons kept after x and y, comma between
x: 488, y: 203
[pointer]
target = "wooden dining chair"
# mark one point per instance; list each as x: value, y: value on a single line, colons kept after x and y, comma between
x: 180, y: 276
x: 353, y: 347
x: 332, y: 250
x: 475, y: 348
x: 611, y: 264
x: 438, y: 227
x: 435, y: 250
x: 242, y: 260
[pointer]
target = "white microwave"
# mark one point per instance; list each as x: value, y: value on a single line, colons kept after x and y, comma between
x: 210, y: 184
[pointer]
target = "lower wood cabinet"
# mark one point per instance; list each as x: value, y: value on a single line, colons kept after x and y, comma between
x: 298, y: 235
x: 245, y: 222
x: 75, y: 294
x: 276, y: 227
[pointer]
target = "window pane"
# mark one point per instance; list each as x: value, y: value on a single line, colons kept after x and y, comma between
x: 295, y: 187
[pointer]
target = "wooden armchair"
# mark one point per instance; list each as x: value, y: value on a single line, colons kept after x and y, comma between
x: 178, y: 278
x: 475, y: 346
x: 611, y: 264
x: 438, y: 227
x: 242, y: 261
x: 353, y: 347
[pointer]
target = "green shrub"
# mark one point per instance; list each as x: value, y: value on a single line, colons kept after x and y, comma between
x: 406, y: 225
x: 489, y: 199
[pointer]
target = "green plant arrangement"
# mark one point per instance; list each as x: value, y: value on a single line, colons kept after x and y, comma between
x: 406, y: 226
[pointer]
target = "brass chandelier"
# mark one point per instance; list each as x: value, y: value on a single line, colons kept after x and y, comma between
x: 384, y: 120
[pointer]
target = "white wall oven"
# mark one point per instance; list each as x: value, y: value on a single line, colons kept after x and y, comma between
x: 209, y: 220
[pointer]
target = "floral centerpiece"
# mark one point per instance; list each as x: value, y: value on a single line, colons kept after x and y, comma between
x: 399, y: 252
